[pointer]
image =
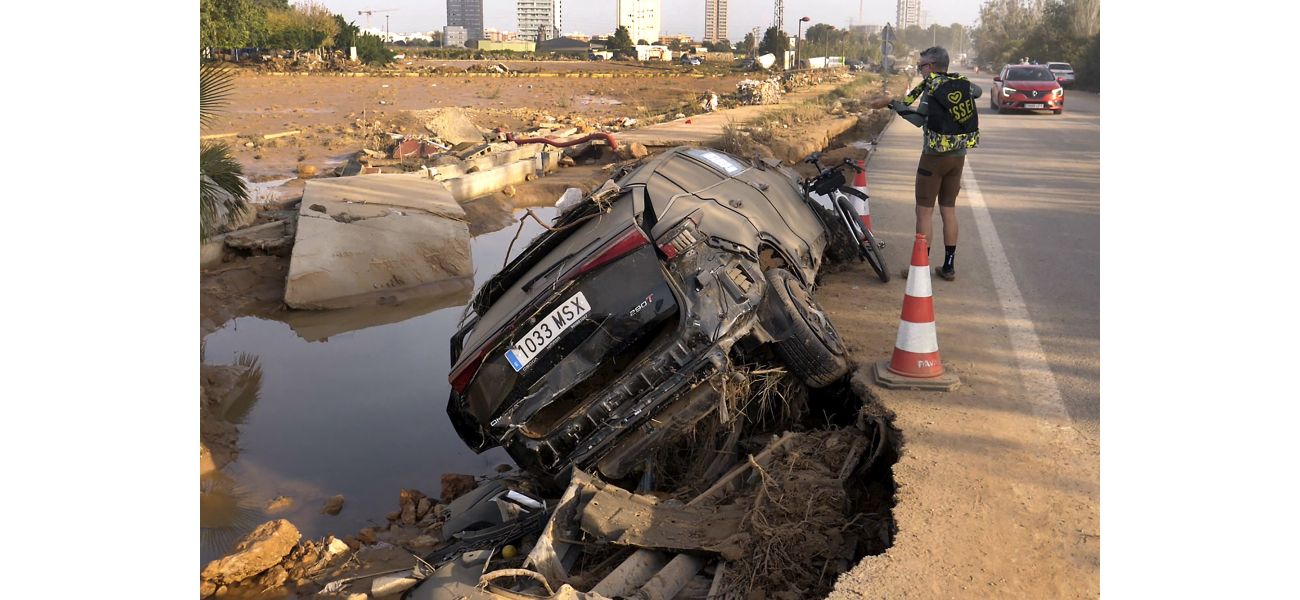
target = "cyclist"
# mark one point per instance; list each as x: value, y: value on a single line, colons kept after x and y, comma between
x: 950, y: 126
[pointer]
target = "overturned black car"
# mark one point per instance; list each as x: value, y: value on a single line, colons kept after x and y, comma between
x: 590, y: 347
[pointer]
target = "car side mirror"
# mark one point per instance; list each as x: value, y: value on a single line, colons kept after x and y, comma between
x: 997, y: 79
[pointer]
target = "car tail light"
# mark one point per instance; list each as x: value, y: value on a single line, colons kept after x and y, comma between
x: 461, y: 377
x: 618, y: 248
x: 679, y: 239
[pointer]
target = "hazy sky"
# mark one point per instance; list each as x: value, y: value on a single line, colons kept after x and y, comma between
x: 596, y: 17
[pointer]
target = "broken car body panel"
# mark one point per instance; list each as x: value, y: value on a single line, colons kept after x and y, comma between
x: 665, y: 272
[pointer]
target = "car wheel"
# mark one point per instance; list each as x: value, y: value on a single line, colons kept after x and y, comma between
x: 806, y: 339
x: 1058, y: 111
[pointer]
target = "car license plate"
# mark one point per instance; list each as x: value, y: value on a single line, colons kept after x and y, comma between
x: 547, y: 331
x: 1035, y: 105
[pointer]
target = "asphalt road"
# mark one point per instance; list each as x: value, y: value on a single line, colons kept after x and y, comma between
x: 1039, y: 175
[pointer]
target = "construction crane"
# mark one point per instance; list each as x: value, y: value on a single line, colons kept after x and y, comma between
x: 372, y: 11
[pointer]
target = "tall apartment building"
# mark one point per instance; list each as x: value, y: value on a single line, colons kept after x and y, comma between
x: 640, y: 17
x: 715, y: 20
x: 539, y: 20
x: 909, y: 14
x: 467, y: 14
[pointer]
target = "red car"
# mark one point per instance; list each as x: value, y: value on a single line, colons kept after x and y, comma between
x: 1027, y: 87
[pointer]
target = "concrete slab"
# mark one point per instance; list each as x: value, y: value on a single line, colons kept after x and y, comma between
x: 483, y: 183
x: 377, y: 239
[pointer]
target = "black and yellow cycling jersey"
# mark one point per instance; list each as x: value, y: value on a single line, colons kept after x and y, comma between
x: 951, y: 121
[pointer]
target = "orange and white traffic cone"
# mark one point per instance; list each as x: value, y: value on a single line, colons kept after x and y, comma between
x: 863, y: 205
x: 915, y: 363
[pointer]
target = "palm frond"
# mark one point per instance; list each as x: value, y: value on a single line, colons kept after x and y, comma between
x: 215, y: 84
x: 222, y: 192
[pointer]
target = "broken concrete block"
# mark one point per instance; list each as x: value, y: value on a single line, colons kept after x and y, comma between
x: 380, y: 240
x: 255, y: 553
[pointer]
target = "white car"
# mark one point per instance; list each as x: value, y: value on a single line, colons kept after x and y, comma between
x: 1063, y: 71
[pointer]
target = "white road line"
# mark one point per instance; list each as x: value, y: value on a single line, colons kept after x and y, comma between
x: 1040, y: 384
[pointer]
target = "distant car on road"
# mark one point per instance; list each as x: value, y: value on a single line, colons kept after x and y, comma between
x: 690, y: 61
x: 1063, y: 71
x: 1027, y: 87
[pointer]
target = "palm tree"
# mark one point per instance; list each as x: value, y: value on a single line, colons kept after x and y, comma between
x: 222, y: 191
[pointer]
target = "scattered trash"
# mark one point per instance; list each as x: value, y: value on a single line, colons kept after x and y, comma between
x: 751, y: 91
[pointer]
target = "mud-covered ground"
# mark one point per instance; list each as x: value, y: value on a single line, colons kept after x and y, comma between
x: 335, y: 116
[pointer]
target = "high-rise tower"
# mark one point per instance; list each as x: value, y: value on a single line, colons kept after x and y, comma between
x: 715, y: 20
x: 539, y: 20
x: 467, y: 14
x: 640, y: 17
x: 909, y: 14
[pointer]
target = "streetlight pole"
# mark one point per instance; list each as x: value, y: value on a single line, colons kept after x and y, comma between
x: 388, y: 36
x: 798, y: 41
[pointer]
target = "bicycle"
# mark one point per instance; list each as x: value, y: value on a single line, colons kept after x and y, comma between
x: 830, y: 182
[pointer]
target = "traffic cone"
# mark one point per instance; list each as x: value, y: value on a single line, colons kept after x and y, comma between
x: 915, y: 363
x: 864, y: 207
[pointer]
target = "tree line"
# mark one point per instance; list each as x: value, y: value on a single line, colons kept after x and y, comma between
x: 1043, y: 31
x: 302, y: 27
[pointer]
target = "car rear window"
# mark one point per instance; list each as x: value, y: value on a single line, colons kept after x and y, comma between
x: 1028, y: 74
x: 1059, y: 66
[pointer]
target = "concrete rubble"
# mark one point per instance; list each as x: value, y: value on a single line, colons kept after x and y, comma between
x: 376, y: 240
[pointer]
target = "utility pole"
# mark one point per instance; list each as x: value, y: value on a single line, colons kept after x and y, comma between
x: 388, y: 36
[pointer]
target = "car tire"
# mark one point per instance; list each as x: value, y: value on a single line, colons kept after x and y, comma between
x: 808, y: 341
x: 1058, y: 111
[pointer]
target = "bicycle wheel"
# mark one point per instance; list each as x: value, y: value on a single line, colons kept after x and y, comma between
x: 873, y: 256
x: 868, y: 250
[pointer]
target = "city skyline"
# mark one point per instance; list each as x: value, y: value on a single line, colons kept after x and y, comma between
x: 598, y: 17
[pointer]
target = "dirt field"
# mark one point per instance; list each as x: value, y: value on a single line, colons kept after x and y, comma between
x: 326, y: 109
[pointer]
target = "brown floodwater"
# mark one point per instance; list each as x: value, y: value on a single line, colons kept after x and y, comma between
x: 350, y: 402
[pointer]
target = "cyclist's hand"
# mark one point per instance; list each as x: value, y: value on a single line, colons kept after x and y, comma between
x: 813, y: 158
x: 880, y: 102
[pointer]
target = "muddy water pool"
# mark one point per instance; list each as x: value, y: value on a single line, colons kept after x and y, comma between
x: 344, y: 407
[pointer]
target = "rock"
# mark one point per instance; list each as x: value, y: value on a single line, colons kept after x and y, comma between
x: 333, y: 506
x: 206, y: 589
x: 567, y: 161
x: 509, y: 191
x: 367, y: 535
x: 422, y: 508
x: 222, y: 591
x: 358, y: 596
x: 637, y: 150
x: 274, y: 578
x: 393, y: 516
x: 335, y: 547
x: 455, y: 485
x: 502, y: 468
x: 279, y: 504
x: 306, y: 171
x: 260, y: 550
x: 409, y: 500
